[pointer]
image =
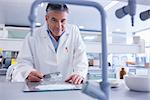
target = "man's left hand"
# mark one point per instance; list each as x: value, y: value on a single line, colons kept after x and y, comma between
x: 75, y: 79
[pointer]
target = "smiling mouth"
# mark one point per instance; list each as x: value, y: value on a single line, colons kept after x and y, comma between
x: 57, y: 30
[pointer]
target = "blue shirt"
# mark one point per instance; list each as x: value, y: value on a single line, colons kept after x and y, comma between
x: 54, y: 42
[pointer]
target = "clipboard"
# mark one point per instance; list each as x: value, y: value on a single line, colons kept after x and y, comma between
x: 49, y: 86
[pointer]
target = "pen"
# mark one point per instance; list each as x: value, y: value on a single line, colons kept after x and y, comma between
x: 49, y: 75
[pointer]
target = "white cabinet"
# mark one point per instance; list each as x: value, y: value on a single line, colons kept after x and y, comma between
x: 11, y: 44
x: 95, y: 47
x: 93, y: 44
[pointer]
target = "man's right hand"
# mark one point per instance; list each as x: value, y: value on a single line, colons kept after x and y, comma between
x: 35, y: 76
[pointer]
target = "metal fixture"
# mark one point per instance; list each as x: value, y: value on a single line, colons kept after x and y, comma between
x: 129, y: 9
x: 101, y: 93
x: 145, y: 15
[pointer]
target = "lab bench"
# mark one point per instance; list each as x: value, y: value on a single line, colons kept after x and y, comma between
x: 15, y: 93
x: 2, y: 78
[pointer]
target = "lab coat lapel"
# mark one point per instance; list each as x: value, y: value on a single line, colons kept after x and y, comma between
x: 48, y: 40
x: 63, y: 38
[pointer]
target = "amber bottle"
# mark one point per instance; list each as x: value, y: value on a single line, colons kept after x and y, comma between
x: 122, y: 73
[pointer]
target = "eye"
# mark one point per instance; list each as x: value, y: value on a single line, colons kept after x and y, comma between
x: 53, y: 20
x: 63, y: 20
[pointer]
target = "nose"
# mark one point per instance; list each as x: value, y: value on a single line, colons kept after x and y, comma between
x: 58, y: 24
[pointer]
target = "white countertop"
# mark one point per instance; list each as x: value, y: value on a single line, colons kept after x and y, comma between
x: 13, y: 91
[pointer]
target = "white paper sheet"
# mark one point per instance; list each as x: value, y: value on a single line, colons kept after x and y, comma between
x: 57, y: 87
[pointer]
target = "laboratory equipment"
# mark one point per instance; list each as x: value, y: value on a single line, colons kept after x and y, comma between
x: 115, y: 61
x: 122, y: 73
x: 129, y: 9
x: 138, y: 82
x: 1, y: 58
x: 145, y: 15
x: 102, y: 92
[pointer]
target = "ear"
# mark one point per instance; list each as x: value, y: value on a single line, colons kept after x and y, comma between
x: 46, y: 17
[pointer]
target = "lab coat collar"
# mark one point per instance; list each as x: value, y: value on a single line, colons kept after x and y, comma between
x: 64, y: 37
x: 43, y: 34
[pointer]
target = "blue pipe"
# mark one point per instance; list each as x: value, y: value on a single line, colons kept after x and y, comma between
x: 103, y: 92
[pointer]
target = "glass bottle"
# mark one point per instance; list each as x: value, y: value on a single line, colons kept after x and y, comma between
x: 122, y: 73
x: 1, y: 58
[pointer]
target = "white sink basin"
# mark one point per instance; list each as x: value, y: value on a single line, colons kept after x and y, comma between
x: 138, y: 82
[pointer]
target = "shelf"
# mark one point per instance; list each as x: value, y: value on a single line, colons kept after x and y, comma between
x: 138, y: 66
x: 93, y: 68
x: 94, y: 47
x: 20, y: 29
x: 123, y: 48
x: 11, y: 44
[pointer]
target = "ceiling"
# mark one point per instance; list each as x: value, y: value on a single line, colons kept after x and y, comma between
x: 143, y: 2
x: 15, y: 12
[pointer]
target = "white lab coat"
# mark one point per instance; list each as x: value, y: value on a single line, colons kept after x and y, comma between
x: 38, y: 53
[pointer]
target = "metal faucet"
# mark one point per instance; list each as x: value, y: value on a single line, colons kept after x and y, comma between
x: 102, y: 92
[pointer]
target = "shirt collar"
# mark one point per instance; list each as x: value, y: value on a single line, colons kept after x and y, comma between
x: 51, y: 36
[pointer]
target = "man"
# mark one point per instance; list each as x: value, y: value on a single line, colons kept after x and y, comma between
x: 56, y: 47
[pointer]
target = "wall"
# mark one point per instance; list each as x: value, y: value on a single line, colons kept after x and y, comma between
x: 1, y: 16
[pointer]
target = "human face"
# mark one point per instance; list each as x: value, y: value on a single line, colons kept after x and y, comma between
x: 56, y: 21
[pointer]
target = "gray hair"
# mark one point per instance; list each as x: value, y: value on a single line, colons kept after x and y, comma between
x: 56, y: 7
